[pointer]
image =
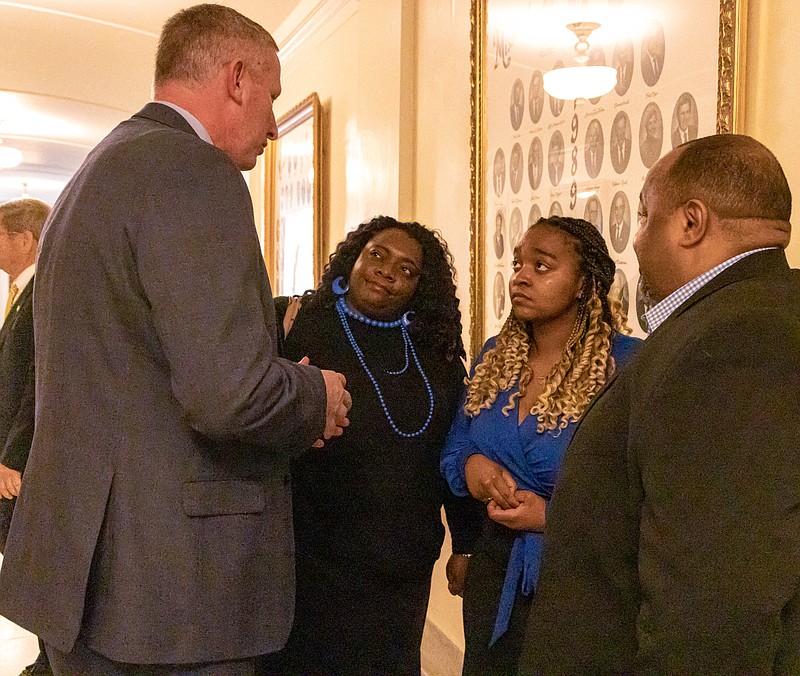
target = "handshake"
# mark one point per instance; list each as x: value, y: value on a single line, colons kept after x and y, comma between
x: 338, y: 404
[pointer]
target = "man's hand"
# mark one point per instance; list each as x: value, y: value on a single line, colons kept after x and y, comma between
x: 456, y: 573
x: 530, y: 515
x: 10, y: 481
x: 338, y: 404
x: 486, y: 480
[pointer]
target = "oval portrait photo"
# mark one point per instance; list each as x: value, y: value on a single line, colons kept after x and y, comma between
x: 651, y: 134
x: 684, y: 120
x: 517, y: 106
x: 622, y: 61
x: 555, y: 157
x: 536, y: 97
x: 593, y: 151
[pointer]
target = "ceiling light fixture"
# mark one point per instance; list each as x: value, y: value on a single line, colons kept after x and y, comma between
x: 9, y: 157
x: 581, y: 81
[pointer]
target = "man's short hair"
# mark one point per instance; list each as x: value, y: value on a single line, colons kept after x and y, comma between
x: 198, y: 40
x: 733, y: 175
x: 25, y: 214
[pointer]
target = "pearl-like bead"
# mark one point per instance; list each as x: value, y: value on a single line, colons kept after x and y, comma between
x: 344, y: 311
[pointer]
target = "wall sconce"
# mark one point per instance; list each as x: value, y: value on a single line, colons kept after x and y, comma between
x: 581, y: 81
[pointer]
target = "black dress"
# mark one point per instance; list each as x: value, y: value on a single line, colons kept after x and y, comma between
x: 367, y: 506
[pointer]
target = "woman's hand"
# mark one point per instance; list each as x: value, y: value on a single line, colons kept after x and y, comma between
x: 457, y: 573
x: 486, y: 480
x: 529, y: 515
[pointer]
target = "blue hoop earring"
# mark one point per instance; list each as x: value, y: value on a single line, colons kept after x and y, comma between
x: 408, y: 317
x: 339, y: 286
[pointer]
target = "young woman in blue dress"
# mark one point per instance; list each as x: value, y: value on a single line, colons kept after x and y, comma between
x: 529, y: 386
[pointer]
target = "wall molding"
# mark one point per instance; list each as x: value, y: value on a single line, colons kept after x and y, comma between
x: 315, y: 19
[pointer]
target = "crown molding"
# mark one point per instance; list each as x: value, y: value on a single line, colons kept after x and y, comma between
x: 311, y: 19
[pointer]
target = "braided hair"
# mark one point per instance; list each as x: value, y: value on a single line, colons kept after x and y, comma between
x: 437, y: 319
x: 586, y: 361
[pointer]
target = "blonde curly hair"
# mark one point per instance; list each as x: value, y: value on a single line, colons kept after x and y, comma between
x: 586, y: 362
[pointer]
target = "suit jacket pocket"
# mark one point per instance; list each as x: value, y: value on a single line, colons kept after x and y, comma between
x: 223, y: 497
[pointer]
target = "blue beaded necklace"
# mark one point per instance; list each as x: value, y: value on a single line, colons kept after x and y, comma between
x: 345, y: 311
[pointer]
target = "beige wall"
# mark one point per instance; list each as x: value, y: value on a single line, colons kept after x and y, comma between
x: 442, y: 187
x: 358, y: 72
x: 773, y: 91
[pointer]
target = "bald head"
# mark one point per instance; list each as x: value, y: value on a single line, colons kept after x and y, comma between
x: 737, y: 178
x: 706, y: 202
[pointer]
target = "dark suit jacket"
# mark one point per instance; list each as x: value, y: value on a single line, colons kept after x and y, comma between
x: 650, y: 72
x: 155, y: 518
x: 673, y: 541
x: 17, y: 382
x: 16, y: 393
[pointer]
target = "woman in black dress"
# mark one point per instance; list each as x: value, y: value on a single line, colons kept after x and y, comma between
x: 367, y: 506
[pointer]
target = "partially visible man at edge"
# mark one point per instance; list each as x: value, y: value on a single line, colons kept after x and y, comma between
x: 154, y: 525
x: 673, y: 540
x: 21, y: 222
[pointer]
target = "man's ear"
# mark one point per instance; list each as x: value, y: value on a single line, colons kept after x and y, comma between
x: 696, y: 222
x: 28, y: 241
x: 234, y: 77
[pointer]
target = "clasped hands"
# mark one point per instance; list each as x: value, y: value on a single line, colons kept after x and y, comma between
x: 506, y: 503
x: 338, y: 404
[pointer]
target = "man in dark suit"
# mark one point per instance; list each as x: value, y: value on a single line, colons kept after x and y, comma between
x: 673, y: 539
x: 21, y: 222
x: 685, y: 120
x: 620, y: 146
x: 653, y: 54
x: 620, y: 222
x: 154, y: 522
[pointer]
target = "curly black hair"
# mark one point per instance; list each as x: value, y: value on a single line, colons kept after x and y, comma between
x: 596, y: 265
x: 437, y: 319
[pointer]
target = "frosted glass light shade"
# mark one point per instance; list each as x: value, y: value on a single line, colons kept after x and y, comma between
x: 580, y: 82
x: 9, y: 157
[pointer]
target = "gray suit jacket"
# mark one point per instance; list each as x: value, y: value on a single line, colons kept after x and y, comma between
x: 155, y: 517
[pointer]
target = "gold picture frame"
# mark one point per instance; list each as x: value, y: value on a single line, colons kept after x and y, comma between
x: 495, y: 216
x: 294, y: 227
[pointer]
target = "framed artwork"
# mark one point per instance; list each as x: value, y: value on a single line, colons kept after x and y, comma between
x: 679, y: 71
x: 294, y: 246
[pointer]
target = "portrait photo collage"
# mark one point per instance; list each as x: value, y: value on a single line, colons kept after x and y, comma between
x: 585, y: 158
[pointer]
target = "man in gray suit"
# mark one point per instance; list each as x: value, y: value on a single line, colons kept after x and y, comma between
x: 154, y: 524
